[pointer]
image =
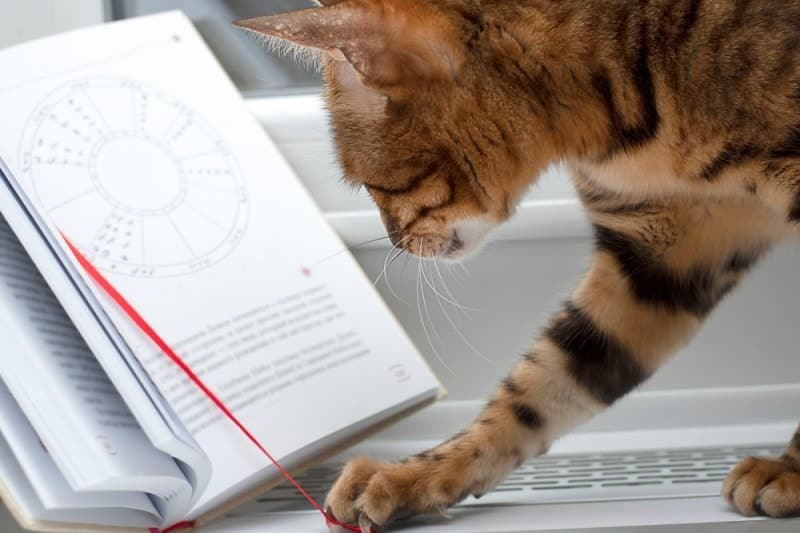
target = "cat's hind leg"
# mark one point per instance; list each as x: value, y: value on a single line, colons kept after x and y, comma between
x: 767, y: 486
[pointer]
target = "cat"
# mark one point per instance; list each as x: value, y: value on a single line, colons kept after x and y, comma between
x: 680, y: 122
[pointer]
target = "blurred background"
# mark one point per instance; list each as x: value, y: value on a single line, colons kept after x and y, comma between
x: 254, y: 72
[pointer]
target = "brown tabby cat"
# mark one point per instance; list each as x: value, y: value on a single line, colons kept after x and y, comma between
x: 681, y: 122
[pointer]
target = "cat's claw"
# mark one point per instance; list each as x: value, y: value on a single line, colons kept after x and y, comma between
x: 365, y: 524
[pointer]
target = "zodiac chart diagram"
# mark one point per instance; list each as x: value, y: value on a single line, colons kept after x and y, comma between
x: 135, y: 178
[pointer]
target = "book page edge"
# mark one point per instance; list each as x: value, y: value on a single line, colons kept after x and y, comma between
x: 32, y: 524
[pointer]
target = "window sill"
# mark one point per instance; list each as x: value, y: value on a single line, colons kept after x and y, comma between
x: 299, y: 127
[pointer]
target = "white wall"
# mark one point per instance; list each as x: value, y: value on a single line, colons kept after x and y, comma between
x: 752, y: 339
x: 21, y: 20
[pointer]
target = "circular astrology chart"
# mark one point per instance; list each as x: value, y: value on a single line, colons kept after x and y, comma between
x: 134, y: 178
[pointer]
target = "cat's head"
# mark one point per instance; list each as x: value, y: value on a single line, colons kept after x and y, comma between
x: 421, y: 116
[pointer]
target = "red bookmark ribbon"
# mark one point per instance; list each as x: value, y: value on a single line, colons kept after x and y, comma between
x: 145, y: 327
x: 174, y: 528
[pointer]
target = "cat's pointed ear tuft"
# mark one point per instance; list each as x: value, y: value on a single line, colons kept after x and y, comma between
x: 386, y: 43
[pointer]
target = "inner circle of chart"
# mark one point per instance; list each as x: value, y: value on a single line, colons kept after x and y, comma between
x: 137, y: 175
x: 138, y: 180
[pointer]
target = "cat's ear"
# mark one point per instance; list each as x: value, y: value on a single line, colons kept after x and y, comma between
x: 387, y: 43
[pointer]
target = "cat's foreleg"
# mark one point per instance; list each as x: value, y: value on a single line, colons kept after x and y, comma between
x: 653, y: 279
x: 599, y: 347
x: 765, y: 486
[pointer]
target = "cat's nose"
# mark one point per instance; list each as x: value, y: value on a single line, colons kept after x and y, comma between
x: 456, y: 244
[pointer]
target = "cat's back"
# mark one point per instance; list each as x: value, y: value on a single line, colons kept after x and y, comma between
x: 713, y: 84
x: 738, y: 60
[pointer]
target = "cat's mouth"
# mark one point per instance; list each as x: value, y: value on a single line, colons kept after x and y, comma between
x: 431, y: 245
x: 464, y: 239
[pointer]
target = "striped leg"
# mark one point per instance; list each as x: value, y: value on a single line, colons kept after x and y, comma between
x: 769, y: 487
x: 641, y: 300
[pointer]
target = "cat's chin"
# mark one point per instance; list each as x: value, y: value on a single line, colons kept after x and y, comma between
x: 471, y: 235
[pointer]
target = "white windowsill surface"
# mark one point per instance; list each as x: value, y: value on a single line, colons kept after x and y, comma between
x: 298, y: 125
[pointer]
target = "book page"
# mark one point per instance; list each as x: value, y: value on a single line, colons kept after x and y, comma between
x: 138, y: 148
x: 44, y: 476
x: 24, y: 503
x: 148, y: 405
x: 156, y: 418
x: 79, y: 416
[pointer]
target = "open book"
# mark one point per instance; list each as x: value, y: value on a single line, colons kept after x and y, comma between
x: 129, y: 140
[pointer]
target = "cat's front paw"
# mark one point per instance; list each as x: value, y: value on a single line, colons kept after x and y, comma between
x: 376, y: 493
x: 761, y: 486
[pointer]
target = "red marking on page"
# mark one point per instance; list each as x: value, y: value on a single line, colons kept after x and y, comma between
x: 145, y: 327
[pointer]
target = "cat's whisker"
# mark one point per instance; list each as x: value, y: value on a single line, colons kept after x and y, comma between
x: 385, y: 260
x: 464, y: 269
x: 383, y: 270
x: 422, y: 321
x: 449, y: 293
x: 350, y: 248
x: 451, y: 269
x: 386, y: 268
x: 451, y: 299
x: 405, y: 263
x: 424, y: 301
x: 387, y: 263
x: 428, y: 282
x: 398, y: 246
x: 399, y: 253
x: 459, y: 332
x: 439, y: 296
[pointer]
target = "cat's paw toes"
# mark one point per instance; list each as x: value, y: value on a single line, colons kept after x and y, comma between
x: 376, y: 493
x: 761, y: 486
x: 342, y: 499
